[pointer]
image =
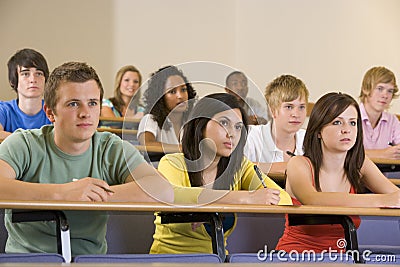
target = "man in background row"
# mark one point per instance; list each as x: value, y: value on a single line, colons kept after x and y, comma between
x: 237, y: 84
x: 27, y: 74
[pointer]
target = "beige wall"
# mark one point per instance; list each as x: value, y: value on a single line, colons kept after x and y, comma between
x: 329, y: 44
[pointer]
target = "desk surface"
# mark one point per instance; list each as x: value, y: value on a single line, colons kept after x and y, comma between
x: 151, y: 207
x: 117, y: 131
x: 386, y: 161
x: 119, y: 119
x: 157, y: 149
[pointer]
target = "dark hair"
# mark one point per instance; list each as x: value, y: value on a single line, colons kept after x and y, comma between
x: 325, y: 110
x: 154, y: 95
x: 231, y: 74
x: 27, y: 58
x: 76, y: 72
x: 193, y: 134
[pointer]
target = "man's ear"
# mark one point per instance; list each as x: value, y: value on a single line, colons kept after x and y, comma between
x: 49, y: 113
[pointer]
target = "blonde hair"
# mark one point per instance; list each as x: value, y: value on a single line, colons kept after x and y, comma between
x: 374, y: 76
x: 285, y: 88
x: 117, y: 100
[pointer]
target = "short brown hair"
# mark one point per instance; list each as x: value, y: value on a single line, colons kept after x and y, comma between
x: 374, y: 76
x: 69, y: 72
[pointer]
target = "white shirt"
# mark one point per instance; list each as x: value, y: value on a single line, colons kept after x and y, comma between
x: 148, y: 124
x: 255, y: 108
x: 260, y: 147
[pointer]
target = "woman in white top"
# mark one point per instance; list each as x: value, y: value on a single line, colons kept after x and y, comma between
x: 167, y: 101
x: 272, y: 145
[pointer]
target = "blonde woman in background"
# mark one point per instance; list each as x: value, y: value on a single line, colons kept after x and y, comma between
x: 126, y: 101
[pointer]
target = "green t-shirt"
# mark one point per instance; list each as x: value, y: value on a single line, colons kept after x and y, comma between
x: 35, y: 158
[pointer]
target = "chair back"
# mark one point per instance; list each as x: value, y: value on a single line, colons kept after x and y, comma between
x: 282, y: 257
x: 128, y: 258
x: 31, y: 257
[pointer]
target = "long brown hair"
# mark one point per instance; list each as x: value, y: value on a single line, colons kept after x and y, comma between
x: 327, y: 108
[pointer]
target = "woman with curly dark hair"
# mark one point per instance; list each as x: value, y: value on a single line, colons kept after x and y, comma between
x: 168, y: 99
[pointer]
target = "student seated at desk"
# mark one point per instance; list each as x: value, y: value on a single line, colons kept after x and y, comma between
x: 287, y: 97
x: 126, y: 101
x: 236, y: 84
x: 42, y: 164
x: 381, y: 128
x: 332, y: 171
x: 211, y: 168
x: 168, y: 100
x: 27, y: 74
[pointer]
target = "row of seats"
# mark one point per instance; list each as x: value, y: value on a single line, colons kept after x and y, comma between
x: 203, y: 258
x: 380, y: 235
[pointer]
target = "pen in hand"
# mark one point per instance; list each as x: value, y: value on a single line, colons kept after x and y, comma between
x: 102, y: 187
x: 259, y: 175
x: 290, y: 153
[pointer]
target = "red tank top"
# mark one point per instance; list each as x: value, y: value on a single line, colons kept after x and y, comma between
x: 314, y: 237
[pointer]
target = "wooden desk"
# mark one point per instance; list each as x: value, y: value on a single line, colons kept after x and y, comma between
x: 213, y: 209
x: 152, y: 207
x: 119, y: 119
x: 157, y: 149
x: 117, y: 131
x: 387, y: 165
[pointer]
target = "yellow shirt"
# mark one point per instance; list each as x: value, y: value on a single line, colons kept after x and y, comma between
x: 179, y: 237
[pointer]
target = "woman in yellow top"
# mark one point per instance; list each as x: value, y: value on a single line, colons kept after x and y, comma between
x: 212, y: 168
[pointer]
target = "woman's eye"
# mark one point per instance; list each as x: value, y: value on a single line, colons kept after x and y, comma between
x: 93, y: 103
x: 353, y: 123
x: 337, y: 122
x: 238, y: 127
x: 223, y: 122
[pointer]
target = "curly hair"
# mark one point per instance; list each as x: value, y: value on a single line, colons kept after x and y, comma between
x: 117, y: 100
x: 154, y: 95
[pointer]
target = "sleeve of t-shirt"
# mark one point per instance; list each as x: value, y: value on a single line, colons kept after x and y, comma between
x: 396, y: 128
x: 15, y: 150
x: 120, y: 159
x: 3, y: 115
x: 250, y: 149
x: 147, y: 124
x: 174, y: 170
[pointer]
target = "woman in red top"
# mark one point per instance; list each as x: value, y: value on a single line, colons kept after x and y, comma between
x: 332, y: 171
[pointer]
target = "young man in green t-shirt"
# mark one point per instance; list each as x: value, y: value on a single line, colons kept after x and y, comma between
x: 71, y: 161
